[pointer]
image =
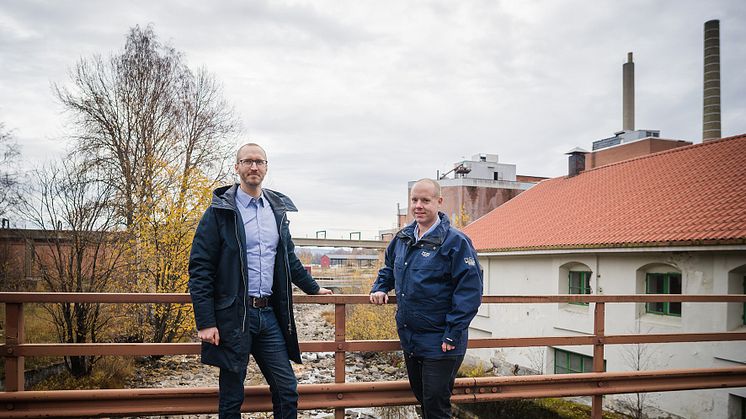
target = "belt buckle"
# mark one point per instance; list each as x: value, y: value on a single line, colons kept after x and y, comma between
x: 262, y: 302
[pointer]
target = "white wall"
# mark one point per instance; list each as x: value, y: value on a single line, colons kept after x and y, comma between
x: 622, y: 273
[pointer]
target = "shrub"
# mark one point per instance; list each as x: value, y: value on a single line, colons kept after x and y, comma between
x: 369, y: 322
x: 471, y: 371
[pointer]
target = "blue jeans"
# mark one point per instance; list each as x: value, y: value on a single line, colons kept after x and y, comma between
x: 431, y: 380
x: 271, y: 355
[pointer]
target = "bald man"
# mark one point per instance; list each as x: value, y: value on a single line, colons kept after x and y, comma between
x: 438, y: 282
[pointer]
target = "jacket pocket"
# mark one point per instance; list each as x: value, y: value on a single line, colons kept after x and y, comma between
x: 429, y: 284
x: 430, y: 322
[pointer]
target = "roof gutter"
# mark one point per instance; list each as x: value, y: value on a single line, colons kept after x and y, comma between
x: 533, y: 252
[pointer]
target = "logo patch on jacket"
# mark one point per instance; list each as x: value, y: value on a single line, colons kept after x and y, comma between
x: 425, y: 254
x: 470, y: 261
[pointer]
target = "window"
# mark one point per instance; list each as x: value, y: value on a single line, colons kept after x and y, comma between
x: 566, y: 362
x: 663, y: 283
x: 743, y: 316
x: 579, y: 282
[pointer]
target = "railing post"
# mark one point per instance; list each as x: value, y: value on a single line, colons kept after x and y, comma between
x: 14, y: 335
x: 597, y: 405
x: 339, y: 354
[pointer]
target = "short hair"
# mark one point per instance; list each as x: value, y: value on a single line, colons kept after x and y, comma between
x: 238, y: 152
x: 434, y: 183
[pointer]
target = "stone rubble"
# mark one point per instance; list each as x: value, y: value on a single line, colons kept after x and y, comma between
x: 188, y: 371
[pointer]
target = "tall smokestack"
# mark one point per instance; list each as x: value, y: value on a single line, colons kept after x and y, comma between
x: 711, y: 100
x: 628, y: 94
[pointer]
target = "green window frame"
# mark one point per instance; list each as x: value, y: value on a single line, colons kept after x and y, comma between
x: 579, y: 282
x: 566, y: 362
x: 663, y: 283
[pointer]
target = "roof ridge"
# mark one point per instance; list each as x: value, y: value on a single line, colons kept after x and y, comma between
x: 672, y: 150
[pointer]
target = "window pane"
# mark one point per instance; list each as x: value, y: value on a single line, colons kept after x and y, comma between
x: 675, y: 308
x: 560, y: 359
x: 587, y: 364
x: 655, y: 284
x: 576, y: 363
x: 674, y: 283
x: 574, y: 279
x: 580, y: 282
x: 655, y: 308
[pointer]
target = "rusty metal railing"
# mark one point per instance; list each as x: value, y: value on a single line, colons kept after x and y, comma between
x: 17, y: 403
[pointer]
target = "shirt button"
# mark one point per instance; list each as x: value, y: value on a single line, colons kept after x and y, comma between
x: 405, y: 263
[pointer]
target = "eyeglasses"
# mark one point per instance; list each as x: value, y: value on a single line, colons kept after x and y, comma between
x: 251, y: 162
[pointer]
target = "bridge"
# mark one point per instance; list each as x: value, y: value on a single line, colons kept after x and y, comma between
x: 355, y: 244
x: 17, y: 403
x: 339, y: 282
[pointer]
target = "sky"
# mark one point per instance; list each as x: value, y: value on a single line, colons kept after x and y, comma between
x: 353, y: 99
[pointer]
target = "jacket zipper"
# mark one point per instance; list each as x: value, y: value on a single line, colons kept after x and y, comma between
x: 288, y: 290
x: 243, y: 265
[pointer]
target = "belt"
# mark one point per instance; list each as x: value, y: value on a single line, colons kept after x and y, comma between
x: 258, y: 302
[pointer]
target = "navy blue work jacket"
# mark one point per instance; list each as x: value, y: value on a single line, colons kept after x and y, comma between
x: 218, y: 279
x: 438, y: 283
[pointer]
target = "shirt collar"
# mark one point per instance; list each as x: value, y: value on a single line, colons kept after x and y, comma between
x: 245, y: 199
x: 432, y: 227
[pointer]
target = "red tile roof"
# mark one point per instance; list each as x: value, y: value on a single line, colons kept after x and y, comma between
x: 690, y: 195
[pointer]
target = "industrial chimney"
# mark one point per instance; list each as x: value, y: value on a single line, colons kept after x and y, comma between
x: 711, y: 93
x: 628, y: 94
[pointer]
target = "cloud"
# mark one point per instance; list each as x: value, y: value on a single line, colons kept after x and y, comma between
x: 354, y: 99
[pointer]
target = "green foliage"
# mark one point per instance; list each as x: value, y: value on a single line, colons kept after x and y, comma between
x: 472, y: 371
x: 570, y: 410
x: 535, y: 409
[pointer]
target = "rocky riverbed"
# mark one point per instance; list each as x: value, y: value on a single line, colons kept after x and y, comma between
x: 187, y: 371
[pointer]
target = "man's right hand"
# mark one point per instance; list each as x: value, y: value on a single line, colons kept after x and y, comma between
x: 379, y: 297
x: 210, y: 335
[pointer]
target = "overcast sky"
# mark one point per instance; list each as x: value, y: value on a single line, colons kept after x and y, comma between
x: 352, y: 99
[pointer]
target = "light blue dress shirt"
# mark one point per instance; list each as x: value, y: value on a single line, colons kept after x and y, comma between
x: 417, y: 229
x: 261, y: 242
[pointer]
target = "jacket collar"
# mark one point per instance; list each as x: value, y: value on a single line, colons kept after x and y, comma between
x: 225, y: 198
x: 435, y: 237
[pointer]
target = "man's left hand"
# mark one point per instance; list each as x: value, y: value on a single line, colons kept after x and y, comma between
x: 324, y: 291
x: 446, y: 347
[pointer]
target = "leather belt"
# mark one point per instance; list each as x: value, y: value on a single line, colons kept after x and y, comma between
x: 259, y: 302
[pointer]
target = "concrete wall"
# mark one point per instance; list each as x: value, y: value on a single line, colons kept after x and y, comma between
x: 622, y: 273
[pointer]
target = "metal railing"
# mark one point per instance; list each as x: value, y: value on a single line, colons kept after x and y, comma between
x: 17, y: 403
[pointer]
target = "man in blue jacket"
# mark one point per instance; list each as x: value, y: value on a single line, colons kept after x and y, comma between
x: 433, y: 268
x: 241, y: 271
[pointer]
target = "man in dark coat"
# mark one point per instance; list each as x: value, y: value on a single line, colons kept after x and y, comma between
x: 434, y: 269
x: 241, y: 271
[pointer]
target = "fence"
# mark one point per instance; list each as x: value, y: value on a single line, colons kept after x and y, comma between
x: 17, y: 403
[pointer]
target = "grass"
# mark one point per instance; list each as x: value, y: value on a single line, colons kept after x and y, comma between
x: 108, y: 372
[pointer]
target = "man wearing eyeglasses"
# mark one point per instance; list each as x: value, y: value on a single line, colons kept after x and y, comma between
x: 241, y: 270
